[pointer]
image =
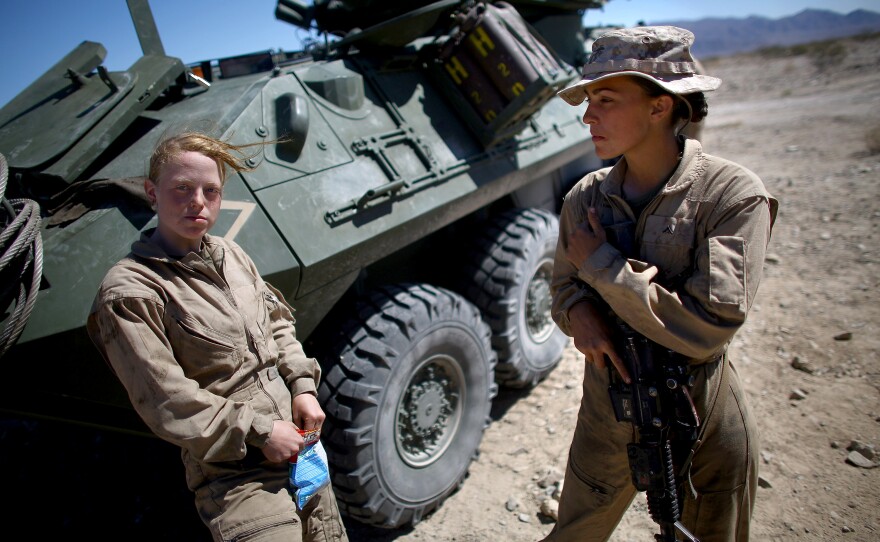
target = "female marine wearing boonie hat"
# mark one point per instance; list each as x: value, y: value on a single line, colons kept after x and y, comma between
x: 671, y: 241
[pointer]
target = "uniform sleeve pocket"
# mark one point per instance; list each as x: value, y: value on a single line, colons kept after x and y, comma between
x: 727, y: 277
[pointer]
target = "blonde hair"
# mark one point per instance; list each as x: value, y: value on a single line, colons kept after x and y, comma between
x: 225, y: 154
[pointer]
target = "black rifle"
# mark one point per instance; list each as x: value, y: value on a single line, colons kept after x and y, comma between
x: 659, y: 406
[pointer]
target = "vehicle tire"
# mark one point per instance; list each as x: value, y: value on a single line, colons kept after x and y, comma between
x: 509, y: 281
x: 407, y: 387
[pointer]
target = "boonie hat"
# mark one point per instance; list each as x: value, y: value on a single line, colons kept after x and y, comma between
x: 661, y: 54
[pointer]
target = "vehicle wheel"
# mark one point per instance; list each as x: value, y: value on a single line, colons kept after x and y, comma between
x: 407, y: 387
x: 509, y: 281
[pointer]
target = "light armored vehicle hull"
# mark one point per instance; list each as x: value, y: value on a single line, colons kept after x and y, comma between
x: 406, y: 207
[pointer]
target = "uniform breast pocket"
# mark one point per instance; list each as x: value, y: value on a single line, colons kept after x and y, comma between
x: 201, y: 350
x: 669, y: 243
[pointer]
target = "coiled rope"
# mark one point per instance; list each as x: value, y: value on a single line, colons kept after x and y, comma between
x: 21, y: 261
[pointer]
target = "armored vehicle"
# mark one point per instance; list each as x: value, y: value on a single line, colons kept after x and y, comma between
x: 405, y: 206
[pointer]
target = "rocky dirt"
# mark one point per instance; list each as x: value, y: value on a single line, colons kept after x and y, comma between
x: 808, y: 122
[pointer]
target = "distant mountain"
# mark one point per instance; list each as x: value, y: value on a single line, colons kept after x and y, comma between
x: 726, y: 36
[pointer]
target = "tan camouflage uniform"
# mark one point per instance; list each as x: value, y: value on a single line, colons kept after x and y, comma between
x: 711, y: 222
x: 208, y: 354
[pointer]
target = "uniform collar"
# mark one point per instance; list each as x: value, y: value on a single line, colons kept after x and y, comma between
x: 145, y: 247
x: 689, y: 169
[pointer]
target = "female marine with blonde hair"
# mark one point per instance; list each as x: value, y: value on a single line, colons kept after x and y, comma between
x: 208, y: 353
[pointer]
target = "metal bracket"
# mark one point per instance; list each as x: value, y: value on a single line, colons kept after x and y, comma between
x: 376, y: 146
x: 398, y: 187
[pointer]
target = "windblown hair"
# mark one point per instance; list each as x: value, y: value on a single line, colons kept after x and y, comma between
x: 225, y: 154
x: 681, y: 111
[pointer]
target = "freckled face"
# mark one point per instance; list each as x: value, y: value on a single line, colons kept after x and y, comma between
x: 618, y: 115
x: 187, y: 195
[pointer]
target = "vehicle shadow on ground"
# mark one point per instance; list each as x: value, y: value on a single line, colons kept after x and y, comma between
x: 102, y: 484
x: 506, y: 398
x: 87, y: 483
x: 359, y: 532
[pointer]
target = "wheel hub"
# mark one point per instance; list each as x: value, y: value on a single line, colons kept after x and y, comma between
x: 538, y: 318
x: 431, y: 406
x: 427, y: 415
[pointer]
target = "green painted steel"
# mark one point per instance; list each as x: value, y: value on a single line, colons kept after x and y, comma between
x: 380, y: 177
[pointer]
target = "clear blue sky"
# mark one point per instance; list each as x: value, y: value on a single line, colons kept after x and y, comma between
x: 34, y: 34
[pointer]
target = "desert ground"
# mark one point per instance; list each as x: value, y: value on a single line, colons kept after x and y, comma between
x: 807, y: 121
